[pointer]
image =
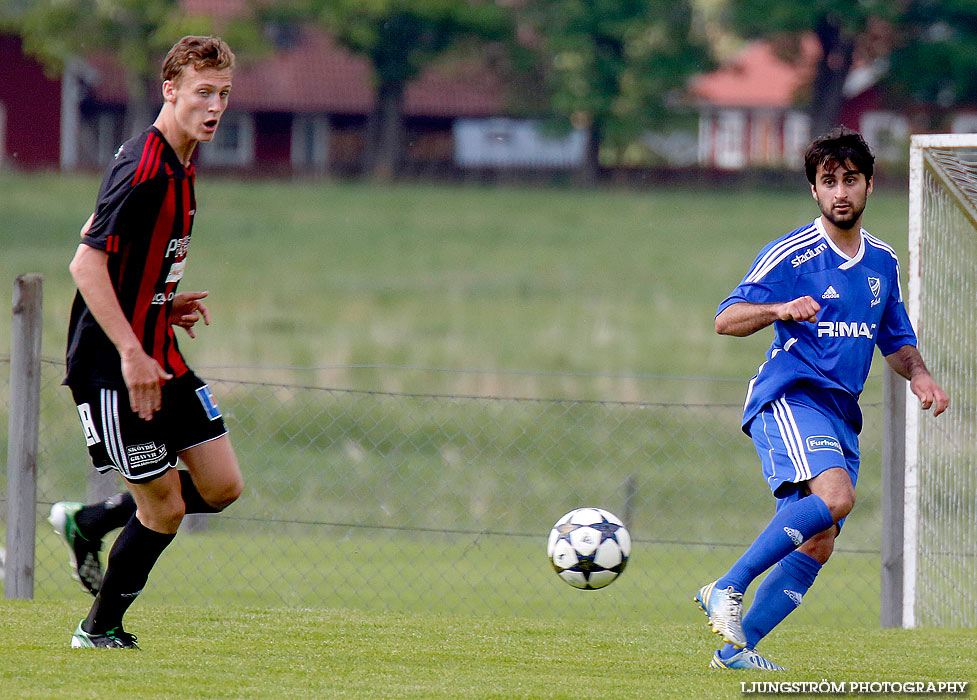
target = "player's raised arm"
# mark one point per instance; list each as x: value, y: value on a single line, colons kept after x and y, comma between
x: 743, y: 318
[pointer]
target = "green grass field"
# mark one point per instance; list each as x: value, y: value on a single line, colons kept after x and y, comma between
x: 558, y: 293
x: 327, y: 653
x: 324, y: 274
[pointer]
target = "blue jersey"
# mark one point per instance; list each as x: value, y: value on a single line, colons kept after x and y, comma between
x: 861, y: 307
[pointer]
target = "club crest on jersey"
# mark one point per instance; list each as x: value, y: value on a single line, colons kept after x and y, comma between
x: 875, y: 286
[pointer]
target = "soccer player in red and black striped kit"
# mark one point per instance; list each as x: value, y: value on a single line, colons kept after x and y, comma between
x: 141, y: 407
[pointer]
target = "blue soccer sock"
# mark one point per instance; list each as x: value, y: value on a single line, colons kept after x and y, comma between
x: 792, y: 525
x: 777, y: 597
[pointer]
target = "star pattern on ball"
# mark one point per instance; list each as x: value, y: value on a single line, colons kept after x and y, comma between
x: 589, y: 548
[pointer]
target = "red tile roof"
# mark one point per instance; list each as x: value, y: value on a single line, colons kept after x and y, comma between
x: 758, y: 77
x: 317, y: 75
x: 314, y: 75
x: 217, y: 9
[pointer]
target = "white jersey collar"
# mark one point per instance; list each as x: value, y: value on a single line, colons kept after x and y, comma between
x: 849, y: 261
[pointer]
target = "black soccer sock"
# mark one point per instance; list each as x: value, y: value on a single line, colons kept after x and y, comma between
x: 132, y: 558
x: 96, y: 521
x: 195, y: 503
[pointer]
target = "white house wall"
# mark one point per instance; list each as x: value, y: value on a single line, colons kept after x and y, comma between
x: 737, y: 138
x: 512, y: 143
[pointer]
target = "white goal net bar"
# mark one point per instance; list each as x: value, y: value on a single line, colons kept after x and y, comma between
x: 940, y: 531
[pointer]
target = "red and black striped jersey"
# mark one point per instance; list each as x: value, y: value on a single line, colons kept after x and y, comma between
x: 142, y: 221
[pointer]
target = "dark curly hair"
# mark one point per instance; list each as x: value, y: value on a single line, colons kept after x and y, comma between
x: 839, y: 146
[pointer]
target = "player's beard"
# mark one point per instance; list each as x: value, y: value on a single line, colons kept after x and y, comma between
x: 846, y: 221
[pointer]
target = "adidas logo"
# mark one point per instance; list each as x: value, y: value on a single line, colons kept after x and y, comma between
x: 795, y: 536
x: 795, y: 597
x: 830, y: 293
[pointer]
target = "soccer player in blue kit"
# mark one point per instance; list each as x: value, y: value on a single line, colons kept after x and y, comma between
x: 831, y: 291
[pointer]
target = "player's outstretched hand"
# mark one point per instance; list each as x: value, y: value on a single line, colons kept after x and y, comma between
x: 188, y: 309
x: 143, y: 377
x: 929, y: 393
x: 800, y: 309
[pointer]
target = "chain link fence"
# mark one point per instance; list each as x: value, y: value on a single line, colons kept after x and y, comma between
x: 442, y: 503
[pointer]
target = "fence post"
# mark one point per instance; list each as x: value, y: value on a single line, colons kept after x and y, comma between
x: 25, y: 404
x: 893, y: 495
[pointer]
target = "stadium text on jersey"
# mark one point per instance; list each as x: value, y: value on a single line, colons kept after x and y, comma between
x: 808, y: 254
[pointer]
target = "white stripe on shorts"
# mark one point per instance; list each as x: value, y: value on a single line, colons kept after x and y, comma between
x: 111, y: 430
x: 792, y: 439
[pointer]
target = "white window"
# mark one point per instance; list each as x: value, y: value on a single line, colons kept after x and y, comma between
x: 730, y: 144
x: 764, y: 138
x: 234, y: 142
x: 797, y: 136
x: 705, y: 138
x: 310, y: 143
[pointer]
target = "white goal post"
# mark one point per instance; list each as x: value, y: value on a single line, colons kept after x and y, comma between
x: 939, y: 537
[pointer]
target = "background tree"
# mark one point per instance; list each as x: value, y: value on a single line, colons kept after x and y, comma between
x: 926, y: 45
x: 837, y: 24
x: 400, y: 38
x: 934, y: 56
x: 613, y: 67
x: 137, y: 33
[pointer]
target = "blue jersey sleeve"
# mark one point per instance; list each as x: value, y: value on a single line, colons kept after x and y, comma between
x: 895, y: 330
x: 759, y: 286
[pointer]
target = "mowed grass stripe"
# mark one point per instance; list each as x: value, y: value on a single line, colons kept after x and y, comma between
x: 232, y: 653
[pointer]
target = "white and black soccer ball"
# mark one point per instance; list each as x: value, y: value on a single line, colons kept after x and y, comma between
x: 589, y: 547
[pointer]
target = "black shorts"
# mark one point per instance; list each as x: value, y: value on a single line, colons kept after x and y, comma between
x: 142, y: 450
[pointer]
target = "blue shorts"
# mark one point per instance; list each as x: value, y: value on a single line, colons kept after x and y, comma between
x: 797, y: 438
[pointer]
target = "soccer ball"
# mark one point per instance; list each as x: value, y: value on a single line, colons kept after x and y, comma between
x: 589, y: 547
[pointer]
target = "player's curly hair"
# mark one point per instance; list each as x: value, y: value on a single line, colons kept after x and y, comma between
x: 198, y: 51
x: 839, y: 146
